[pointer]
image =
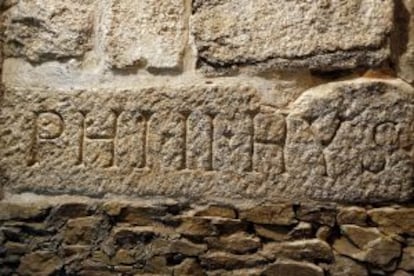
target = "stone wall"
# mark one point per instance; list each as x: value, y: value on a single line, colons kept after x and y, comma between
x: 207, y: 137
x: 67, y: 235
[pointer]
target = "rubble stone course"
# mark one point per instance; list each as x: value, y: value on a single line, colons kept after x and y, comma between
x: 169, y: 237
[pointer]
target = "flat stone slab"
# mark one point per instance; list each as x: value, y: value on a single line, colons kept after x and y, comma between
x: 148, y: 33
x: 347, y: 141
x: 267, y: 34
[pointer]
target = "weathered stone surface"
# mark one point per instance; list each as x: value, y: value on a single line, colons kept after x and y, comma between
x: 278, y: 214
x: 147, y: 33
x: 132, y: 236
x: 217, y: 211
x: 189, y: 267
x: 16, y: 248
x: 40, y: 263
x: 403, y: 39
x: 368, y: 245
x: 324, y: 233
x: 310, y: 250
x: 208, y: 141
x: 238, y: 243
x: 67, y: 210
x: 401, y: 273
x: 323, y: 35
x: 304, y: 230
x: 187, y: 248
x: 177, y: 246
x: 317, y: 213
x: 347, y: 141
x: 196, y: 226
x: 352, y: 215
x: 10, y: 211
x: 272, y: 232
x: 229, y: 226
x: 124, y: 257
x: 41, y: 30
x: 224, y: 260
x: 292, y: 268
x: 236, y: 272
x: 136, y: 213
x: 394, y: 220
x: 343, y: 266
x: 83, y: 230
x: 407, y: 261
x: 157, y: 265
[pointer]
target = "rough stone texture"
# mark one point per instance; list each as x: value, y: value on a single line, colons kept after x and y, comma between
x: 79, y: 236
x: 147, y: 33
x: 394, y: 220
x: 238, y: 243
x: 407, y: 261
x: 352, y: 215
x: 291, y: 268
x: 323, y: 35
x: 347, y: 141
x: 310, y: 250
x: 403, y: 39
x: 368, y: 245
x: 333, y: 144
x: 41, y: 30
x: 39, y: 263
x: 344, y: 266
x: 280, y: 214
x: 217, y: 137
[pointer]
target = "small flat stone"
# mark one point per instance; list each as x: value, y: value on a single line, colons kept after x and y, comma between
x: 196, y: 226
x: 292, y: 268
x: 310, y: 250
x: 238, y: 243
x: 277, y: 214
x: 217, y: 211
x: 324, y: 233
x: 304, y: 230
x: 189, y: 267
x: 407, y: 261
x: 343, y: 266
x: 22, y: 211
x: 228, y: 261
x: 352, y: 215
x: 394, y: 220
x: 271, y: 232
x: 83, y: 231
x: 367, y: 245
x: 317, y: 213
x: 40, y: 263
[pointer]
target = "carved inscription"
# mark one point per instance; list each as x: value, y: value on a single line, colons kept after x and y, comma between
x: 346, y: 144
x: 350, y: 141
x: 270, y: 135
x: 48, y: 126
x: 132, y: 140
x: 97, y: 141
x: 175, y: 141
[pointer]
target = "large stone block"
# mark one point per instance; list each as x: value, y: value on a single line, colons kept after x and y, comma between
x: 39, y: 30
x: 353, y: 140
x: 147, y: 33
x: 323, y: 34
x: 346, y: 141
